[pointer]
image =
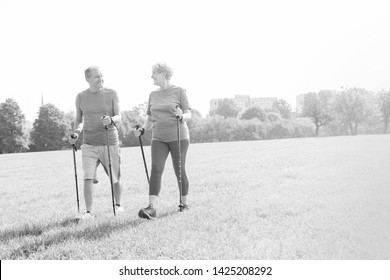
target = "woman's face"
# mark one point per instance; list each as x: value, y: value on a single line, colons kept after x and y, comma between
x: 158, y: 78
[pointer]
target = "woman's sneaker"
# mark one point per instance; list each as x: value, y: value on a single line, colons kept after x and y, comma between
x: 87, y: 215
x: 147, y: 213
x: 183, y: 207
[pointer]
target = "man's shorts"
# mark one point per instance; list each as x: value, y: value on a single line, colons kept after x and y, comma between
x: 94, y: 155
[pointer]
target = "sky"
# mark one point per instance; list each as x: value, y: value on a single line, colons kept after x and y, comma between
x: 217, y: 48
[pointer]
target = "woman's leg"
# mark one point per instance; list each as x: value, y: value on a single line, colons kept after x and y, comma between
x: 175, y: 160
x: 160, y: 152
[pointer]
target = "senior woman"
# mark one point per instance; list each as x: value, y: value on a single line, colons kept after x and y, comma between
x: 165, y: 105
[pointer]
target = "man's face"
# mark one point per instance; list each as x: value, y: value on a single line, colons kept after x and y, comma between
x: 95, y: 80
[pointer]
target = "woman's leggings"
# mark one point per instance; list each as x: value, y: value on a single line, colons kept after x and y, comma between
x: 160, y: 151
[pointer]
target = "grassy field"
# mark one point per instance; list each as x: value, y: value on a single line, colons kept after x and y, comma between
x: 311, y: 198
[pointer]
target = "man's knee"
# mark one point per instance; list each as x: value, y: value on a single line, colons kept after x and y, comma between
x: 88, y: 182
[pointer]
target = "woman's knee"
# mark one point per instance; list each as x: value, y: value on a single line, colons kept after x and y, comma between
x: 157, y: 169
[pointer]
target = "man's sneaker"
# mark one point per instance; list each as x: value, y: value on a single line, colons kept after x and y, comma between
x: 147, y: 213
x: 119, y: 209
x: 183, y: 207
x: 87, y: 215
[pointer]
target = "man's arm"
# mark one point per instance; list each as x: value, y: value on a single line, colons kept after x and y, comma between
x: 78, y: 124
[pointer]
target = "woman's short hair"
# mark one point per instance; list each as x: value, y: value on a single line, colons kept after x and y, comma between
x: 163, y: 68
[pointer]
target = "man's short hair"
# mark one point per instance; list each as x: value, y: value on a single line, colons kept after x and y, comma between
x: 87, y: 71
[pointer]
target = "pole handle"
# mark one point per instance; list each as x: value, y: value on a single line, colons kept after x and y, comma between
x: 177, y: 107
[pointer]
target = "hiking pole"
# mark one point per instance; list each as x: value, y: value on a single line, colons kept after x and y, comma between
x: 75, y: 173
x: 179, y: 148
x: 143, y: 155
x: 109, y: 167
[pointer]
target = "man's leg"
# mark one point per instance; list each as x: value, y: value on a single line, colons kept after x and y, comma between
x: 118, y: 192
x: 88, y: 194
x: 90, y: 164
x: 115, y: 160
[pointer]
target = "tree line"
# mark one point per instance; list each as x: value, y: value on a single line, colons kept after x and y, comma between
x: 350, y: 111
x: 325, y: 113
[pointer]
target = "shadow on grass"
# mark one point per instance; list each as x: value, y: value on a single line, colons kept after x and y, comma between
x: 34, y: 229
x: 40, y: 243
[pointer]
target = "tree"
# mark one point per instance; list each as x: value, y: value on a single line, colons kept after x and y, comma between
x: 283, y: 108
x: 280, y: 130
x: 384, y: 107
x: 352, y: 107
x: 317, y: 107
x: 50, y: 130
x: 251, y: 129
x: 214, y: 129
x: 12, y: 132
x: 273, y: 116
x: 130, y: 118
x: 254, y: 112
x: 372, y: 122
x: 227, y: 108
x: 196, y: 117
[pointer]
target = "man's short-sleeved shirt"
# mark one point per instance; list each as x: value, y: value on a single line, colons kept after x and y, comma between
x: 94, y: 105
x: 161, y: 106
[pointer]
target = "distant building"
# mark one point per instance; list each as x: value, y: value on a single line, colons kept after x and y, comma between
x: 299, y: 103
x: 245, y: 102
x: 263, y: 102
x: 28, y: 125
